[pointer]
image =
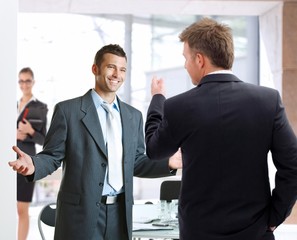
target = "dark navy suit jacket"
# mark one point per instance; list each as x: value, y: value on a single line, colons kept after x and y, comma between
x: 225, y: 129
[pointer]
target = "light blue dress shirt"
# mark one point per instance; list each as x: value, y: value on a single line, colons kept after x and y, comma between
x: 102, y: 114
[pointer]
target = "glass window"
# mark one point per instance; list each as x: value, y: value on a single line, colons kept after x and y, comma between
x: 60, y: 49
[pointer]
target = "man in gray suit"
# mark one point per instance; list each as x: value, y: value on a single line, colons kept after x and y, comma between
x: 225, y: 129
x: 88, y: 207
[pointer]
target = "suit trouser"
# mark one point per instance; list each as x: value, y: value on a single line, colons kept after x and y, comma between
x: 111, y: 222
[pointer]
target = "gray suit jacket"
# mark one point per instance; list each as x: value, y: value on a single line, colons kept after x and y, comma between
x: 75, y: 139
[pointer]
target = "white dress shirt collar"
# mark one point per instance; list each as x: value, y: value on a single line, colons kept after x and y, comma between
x: 221, y: 71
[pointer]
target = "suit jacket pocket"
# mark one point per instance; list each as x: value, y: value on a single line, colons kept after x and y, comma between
x: 70, y: 198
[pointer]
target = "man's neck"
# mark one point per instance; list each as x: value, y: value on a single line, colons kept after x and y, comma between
x: 108, y: 97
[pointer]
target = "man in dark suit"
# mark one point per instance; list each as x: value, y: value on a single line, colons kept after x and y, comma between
x: 225, y: 129
x: 88, y: 205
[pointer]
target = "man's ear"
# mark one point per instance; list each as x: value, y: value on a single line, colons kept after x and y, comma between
x: 200, y: 59
x: 95, y: 69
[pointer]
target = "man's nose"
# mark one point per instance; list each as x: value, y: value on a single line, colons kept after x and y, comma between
x: 115, y: 72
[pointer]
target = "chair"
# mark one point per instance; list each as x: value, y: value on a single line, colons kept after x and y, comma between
x: 169, y: 190
x: 47, y: 216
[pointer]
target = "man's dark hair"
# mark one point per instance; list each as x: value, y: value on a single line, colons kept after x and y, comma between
x: 111, y: 48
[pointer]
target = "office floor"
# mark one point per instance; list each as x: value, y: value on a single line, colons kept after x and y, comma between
x: 284, y: 232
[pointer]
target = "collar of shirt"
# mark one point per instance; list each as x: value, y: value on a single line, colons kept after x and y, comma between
x: 99, y: 100
x: 19, y: 103
x: 221, y: 71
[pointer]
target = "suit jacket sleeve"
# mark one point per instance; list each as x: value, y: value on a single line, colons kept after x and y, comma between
x: 145, y: 166
x: 160, y: 143
x: 284, y: 154
x: 50, y: 159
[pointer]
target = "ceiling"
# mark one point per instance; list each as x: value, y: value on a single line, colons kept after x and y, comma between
x: 147, y: 7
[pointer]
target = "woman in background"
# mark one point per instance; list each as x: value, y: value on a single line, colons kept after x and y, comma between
x: 31, y: 130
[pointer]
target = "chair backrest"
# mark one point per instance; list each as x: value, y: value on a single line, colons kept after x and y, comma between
x: 47, y: 216
x: 169, y: 190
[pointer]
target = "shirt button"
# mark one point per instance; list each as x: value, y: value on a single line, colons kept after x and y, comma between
x: 101, y: 184
x: 97, y: 204
x: 103, y: 164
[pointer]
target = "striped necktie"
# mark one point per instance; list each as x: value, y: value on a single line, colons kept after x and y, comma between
x: 114, y: 147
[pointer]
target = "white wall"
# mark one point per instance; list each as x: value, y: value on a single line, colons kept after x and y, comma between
x: 271, y: 60
x: 8, y: 49
x: 271, y: 48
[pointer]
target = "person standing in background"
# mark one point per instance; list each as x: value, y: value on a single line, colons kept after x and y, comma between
x: 31, y: 130
x: 225, y: 129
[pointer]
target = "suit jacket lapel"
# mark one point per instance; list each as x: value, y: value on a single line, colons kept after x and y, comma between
x: 127, y: 125
x: 91, y: 121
